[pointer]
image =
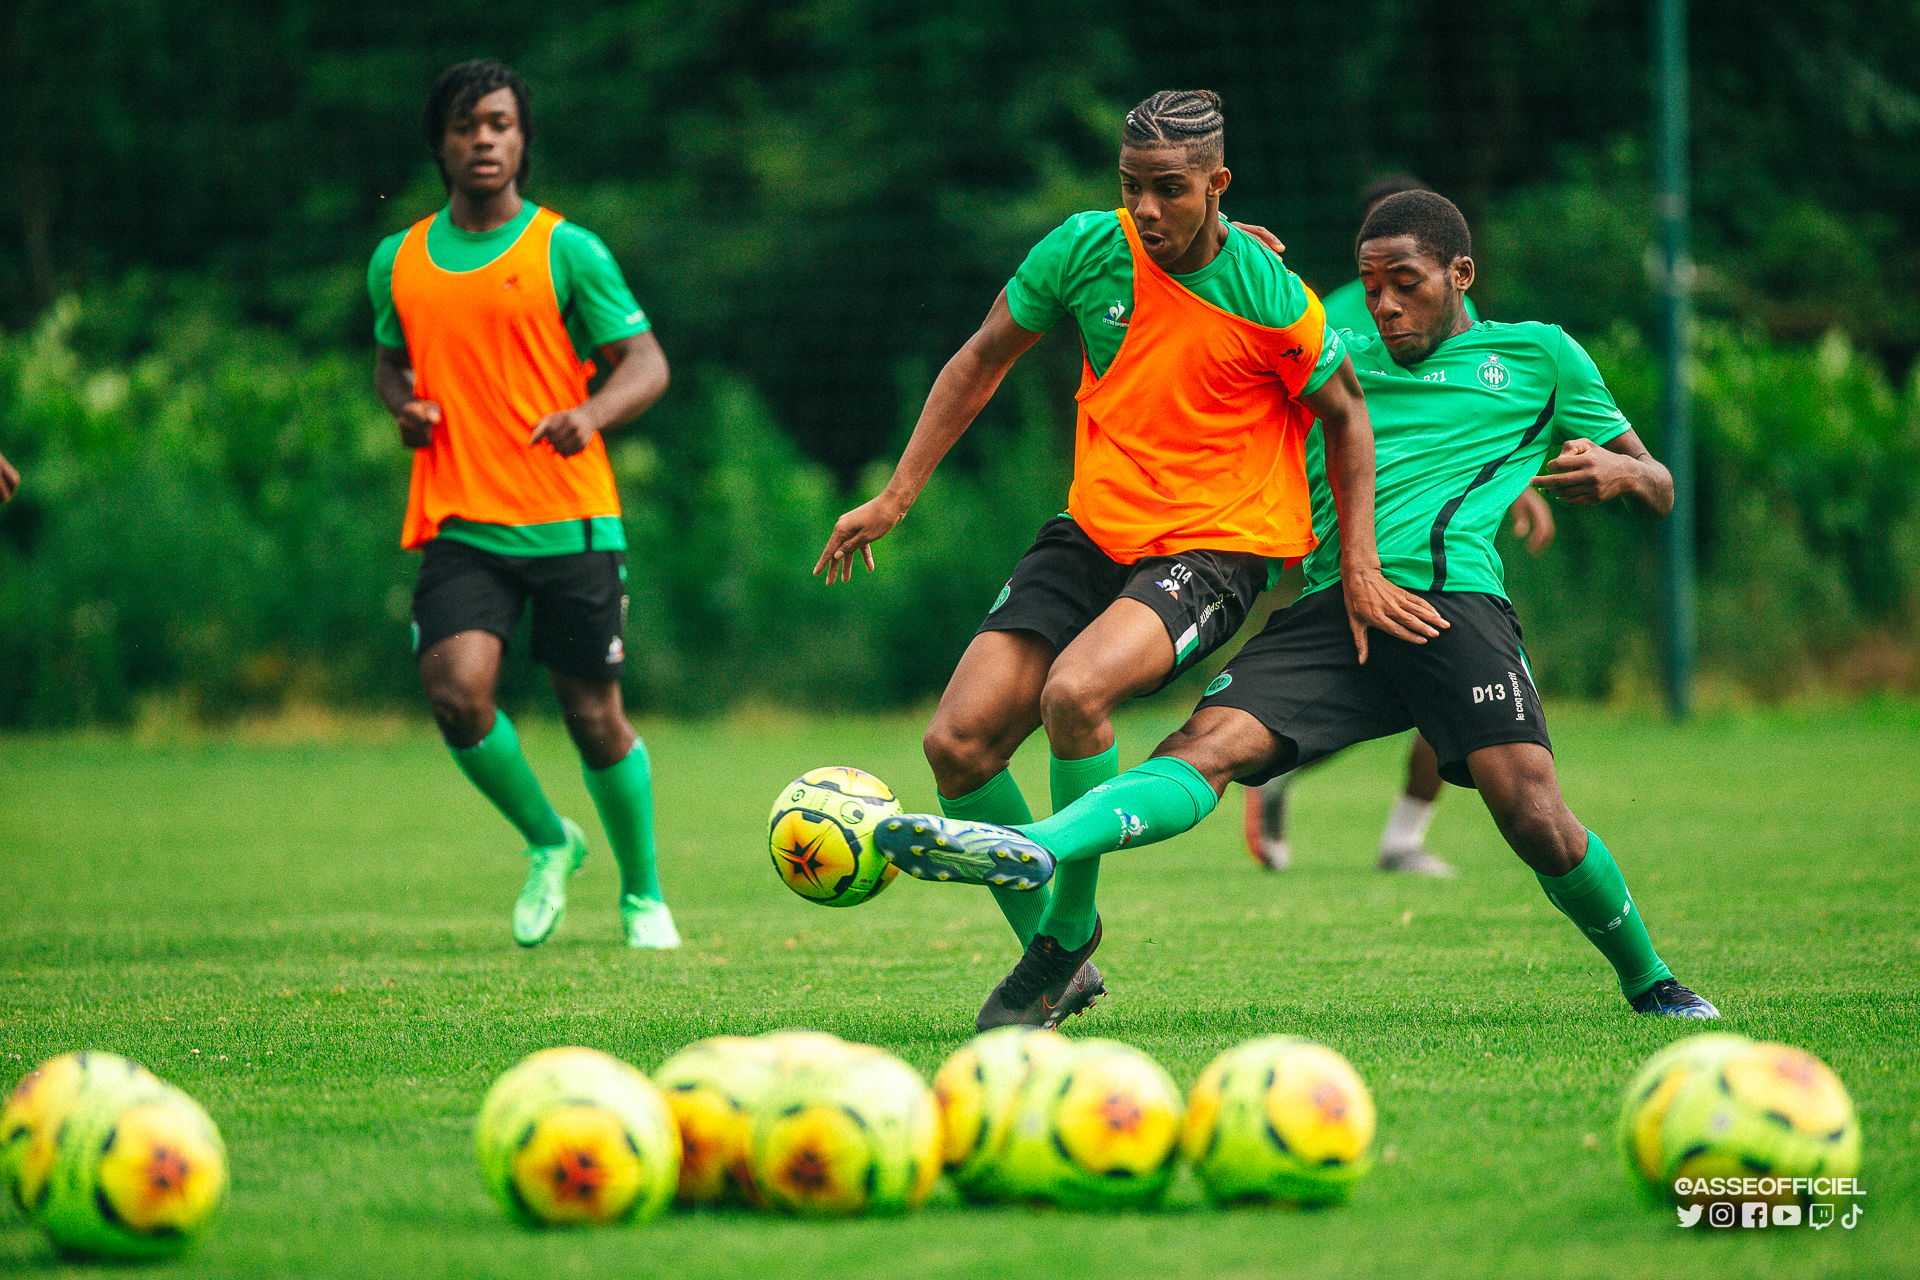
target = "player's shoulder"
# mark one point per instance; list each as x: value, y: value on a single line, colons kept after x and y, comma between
x: 1519, y: 336
x: 1084, y: 237
x: 572, y: 238
x: 388, y: 249
x: 1277, y: 295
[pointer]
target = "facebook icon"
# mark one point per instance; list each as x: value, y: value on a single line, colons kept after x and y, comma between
x: 1753, y: 1213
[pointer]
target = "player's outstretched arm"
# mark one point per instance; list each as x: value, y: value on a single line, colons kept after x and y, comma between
x: 959, y: 393
x: 9, y: 478
x: 1372, y: 601
x: 1586, y: 474
x: 393, y: 382
x: 639, y: 378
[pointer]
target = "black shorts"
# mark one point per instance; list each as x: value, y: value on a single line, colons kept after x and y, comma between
x: 579, y: 604
x: 1065, y: 581
x: 1468, y: 688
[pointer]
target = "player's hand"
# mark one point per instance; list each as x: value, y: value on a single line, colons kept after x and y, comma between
x: 1264, y: 236
x: 568, y: 431
x: 9, y: 479
x: 1372, y: 601
x: 1531, y: 519
x: 855, y: 533
x: 1585, y: 474
x: 417, y: 419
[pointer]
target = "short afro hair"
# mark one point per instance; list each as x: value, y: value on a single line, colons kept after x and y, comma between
x: 1189, y: 119
x: 459, y: 88
x: 1430, y: 218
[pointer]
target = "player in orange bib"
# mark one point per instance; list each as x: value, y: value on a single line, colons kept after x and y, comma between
x: 486, y: 314
x: 1207, y: 361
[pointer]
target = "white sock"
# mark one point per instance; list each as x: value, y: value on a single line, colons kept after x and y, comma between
x: 1407, y: 824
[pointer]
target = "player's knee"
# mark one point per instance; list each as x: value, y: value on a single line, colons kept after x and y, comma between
x: 1538, y: 826
x: 464, y: 713
x: 1074, y: 701
x: 959, y: 759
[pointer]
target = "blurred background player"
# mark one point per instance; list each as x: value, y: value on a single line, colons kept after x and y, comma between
x: 1403, y: 841
x: 1188, y: 477
x: 9, y: 479
x: 486, y: 313
x: 1464, y: 415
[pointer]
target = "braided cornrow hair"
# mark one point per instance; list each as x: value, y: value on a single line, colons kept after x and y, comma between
x: 1186, y: 118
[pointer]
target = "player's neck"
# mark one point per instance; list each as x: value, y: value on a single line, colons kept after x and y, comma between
x: 479, y: 213
x: 1205, y: 248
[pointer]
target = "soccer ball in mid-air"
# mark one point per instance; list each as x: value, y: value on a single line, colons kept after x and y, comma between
x: 1279, y: 1118
x: 846, y: 1134
x: 1640, y: 1133
x: 976, y: 1088
x: 1095, y: 1127
x: 821, y: 835
x: 573, y: 1136
x: 714, y: 1088
x: 138, y: 1167
x: 1761, y: 1110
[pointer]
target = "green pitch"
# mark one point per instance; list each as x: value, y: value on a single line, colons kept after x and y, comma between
x: 313, y: 940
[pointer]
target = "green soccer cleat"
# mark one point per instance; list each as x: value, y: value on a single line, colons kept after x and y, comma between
x: 929, y: 847
x: 544, y: 898
x: 1668, y: 999
x: 648, y: 923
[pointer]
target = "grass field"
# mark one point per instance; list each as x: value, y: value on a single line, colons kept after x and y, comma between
x: 312, y: 938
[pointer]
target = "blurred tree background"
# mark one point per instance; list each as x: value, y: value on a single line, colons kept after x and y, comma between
x: 816, y: 202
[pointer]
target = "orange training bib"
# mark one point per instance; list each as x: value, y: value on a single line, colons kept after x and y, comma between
x: 490, y: 348
x: 1192, y: 440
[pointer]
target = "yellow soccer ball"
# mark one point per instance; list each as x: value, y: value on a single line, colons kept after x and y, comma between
x: 1279, y: 1118
x: 977, y: 1087
x: 30, y: 1120
x: 574, y: 1137
x: 848, y: 1134
x: 1640, y: 1133
x: 138, y: 1168
x: 714, y: 1088
x: 1095, y: 1127
x: 821, y: 836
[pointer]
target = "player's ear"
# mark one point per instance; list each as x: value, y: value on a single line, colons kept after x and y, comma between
x: 1463, y: 273
x: 1217, y: 181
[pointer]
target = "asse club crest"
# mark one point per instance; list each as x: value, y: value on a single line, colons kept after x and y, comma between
x: 1495, y: 376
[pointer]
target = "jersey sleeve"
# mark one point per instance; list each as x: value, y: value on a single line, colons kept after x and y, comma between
x: 1037, y: 294
x: 387, y: 330
x: 594, y: 298
x: 1582, y: 405
x: 1332, y: 352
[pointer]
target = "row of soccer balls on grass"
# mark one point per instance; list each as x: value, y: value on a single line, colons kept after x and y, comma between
x: 112, y: 1161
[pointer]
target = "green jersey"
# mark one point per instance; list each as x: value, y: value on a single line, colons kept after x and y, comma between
x: 1084, y: 269
x: 1347, y: 308
x: 594, y: 299
x: 1456, y: 438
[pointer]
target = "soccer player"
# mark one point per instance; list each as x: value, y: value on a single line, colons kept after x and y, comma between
x: 1464, y: 414
x: 1403, y: 838
x: 1205, y: 362
x: 487, y: 313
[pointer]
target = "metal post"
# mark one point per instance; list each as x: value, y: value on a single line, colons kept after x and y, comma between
x: 1679, y: 634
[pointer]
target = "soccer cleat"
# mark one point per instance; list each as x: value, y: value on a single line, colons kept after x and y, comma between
x: 1416, y: 862
x: 543, y: 900
x: 1265, y: 826
x: 930, y: 847
x: 1049, y: 984
x: 648, y: 923
x: 1668, y: 999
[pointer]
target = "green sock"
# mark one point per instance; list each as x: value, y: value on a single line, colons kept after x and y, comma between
x: 1071, y: 913
x: 999, y: 801
x: 494, y: 764
x: 1594, y: 896
x: 1152, y: 801
x: 623, y: 792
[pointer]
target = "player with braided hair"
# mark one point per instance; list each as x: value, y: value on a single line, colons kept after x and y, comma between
x: 1206, y: 361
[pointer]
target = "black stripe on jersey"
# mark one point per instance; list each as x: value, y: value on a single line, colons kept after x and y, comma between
x: 1437, y: 541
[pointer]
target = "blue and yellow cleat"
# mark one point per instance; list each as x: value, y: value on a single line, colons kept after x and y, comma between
x: 929, y: 847
x: 1668, y: 999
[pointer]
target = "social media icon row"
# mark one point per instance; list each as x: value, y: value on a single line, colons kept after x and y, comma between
x: 1758, y: 1213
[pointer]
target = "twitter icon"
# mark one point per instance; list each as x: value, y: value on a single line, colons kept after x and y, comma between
x: 1689, y: 1214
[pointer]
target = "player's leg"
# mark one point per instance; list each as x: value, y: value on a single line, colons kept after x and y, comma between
x: 579, y: 620
x: 1403, y: 842
x: 1578, y: 873
x: 1264, y: 824
x: 990, y: 706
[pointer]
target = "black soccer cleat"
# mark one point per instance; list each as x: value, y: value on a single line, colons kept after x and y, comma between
x: 1049, y: 984
x: 929, y: 847
x: 1668, y: 999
